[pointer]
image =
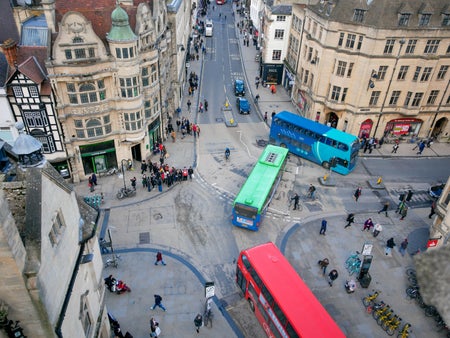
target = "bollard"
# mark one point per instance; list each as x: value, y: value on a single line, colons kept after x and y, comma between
x: 226, y: 104
x: 231, y: 121
x: 380, y: 180
x: 325, y: 177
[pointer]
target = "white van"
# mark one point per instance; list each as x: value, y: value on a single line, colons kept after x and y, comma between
x: 208, y: 28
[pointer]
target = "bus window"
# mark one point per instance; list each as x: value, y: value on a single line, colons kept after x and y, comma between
x: 280, y: 315
x: 305, y: 147
x: 267, y: 295
x: 342, y: 146
x: 246, y: 262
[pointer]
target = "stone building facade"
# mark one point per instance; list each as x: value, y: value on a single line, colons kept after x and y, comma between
x: 50, y: 257
x: 373, y: 68
x: 112, y: 91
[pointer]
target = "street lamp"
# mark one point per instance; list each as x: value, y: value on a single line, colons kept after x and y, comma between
x: 123, y: 172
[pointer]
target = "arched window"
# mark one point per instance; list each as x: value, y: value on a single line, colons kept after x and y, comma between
x: 77, y: 39
x: 94, y: 127
x: 88, y: 93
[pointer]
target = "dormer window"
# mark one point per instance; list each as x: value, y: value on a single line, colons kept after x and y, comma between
x: 424, y: 19
x: 358, y: 15
x: 404, y: 19
x: 445, y: 19
x: 77, y: 39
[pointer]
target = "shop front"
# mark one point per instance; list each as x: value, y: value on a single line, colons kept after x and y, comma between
x: 99, y: 157
x: 365, y: 129
x: 154, y: 134
x: 272, y: 73
x: 403, y: 127
x: 288, y: 80
x: 302, y: 102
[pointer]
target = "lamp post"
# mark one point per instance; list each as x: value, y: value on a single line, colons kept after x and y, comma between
x: 123, y: 172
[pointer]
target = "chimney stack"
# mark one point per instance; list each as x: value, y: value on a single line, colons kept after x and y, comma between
x: 9, y: 48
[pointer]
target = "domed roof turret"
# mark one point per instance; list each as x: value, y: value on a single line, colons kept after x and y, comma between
x: 27, y: 148
x: 120, y: 30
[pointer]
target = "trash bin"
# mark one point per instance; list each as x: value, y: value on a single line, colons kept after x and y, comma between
x: 365, y: 281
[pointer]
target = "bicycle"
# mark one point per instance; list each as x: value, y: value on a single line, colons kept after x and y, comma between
x: 411, y: 275
x: 354, y: 269
x: 370, y: 299
x: 391, y: 325
x: 385, y: 317
x: 207, y: 314
x: 405, y: 331
x: 113, y: 261
x: 380, y: 311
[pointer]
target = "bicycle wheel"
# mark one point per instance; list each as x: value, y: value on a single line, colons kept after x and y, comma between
x: 430, y: 311
x: 367, y: 301
x: 390, y: 330
x: 411, y: 292
x: 411, y: 272
x: 413, y: 281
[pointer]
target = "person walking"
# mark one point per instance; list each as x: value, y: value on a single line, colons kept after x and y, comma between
x: 265, y: 117
x: 198, y: 322
x: 368, y: 224
x: 400, y: 207
x: 404, y: 212
x: 377, y: 229
x: 296, y: 198
x: 155, y: 331
x: 94, y: 179
x: 432, y: 211
x: 133, y: 183
x: 421, y: 147
x: 323, y: 227
x: 357, y: 193
x: 311, y: 191
x: 90, y: 184
x: 206, y: 105
x: 385, y: 208
x: 159, y: 258
x: 394, y: 148
x: 324, y: 264
x: 143, y: 167
x: 158, y: 302
x: 350, y: 219
x: 332, y: 276
x: 189, y: 105
x: 403, y: 246
x: 389, y: 246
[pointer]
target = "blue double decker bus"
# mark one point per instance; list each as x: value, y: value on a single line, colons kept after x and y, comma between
x: 326, y: 146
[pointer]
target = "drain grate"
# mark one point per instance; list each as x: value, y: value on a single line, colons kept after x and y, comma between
x: 219, y: 119
x: 144, y: 238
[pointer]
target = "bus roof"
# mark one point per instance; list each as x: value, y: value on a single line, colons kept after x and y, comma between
x: 303, y: 310
x: 317, y: 127
x: 263, y: 175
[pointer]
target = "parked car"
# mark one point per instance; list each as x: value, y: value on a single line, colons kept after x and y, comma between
x: 239, y: 88
x: 435, y: 191
x: 243, y: 105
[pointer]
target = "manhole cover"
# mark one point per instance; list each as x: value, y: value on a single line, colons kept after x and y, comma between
x: 144, y: 238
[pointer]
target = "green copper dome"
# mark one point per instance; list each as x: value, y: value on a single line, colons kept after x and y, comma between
x: 120, y: 30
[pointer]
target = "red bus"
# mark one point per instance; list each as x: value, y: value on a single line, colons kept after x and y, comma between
x: 282, y: 302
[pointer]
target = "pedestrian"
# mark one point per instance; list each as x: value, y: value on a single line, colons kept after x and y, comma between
x: 404, y: 212
x: 385, y: 208
x: 357, y: 193
x: 432, y: 211
x: 389, y: 246
x: 323, y: 227
x: 256, y: 101
x: 394, y: 148
x: 143, y: 167
x: 257, y: 82
x: 154, y: 328
x: 377, y: 229
x: 206, y: 105
x: 198, y: 322
x: 190, y: 172
x: 94, y: 179
x: 350, y: 219
x: 133, y: 183
x: 311, y: 191
x: 367, y: 224
x: 421, y: 147
x: 144, y: 181
x: 265, y: 117
x: 332, y: 276
x: 158, y: 302
x: 324, y: 264
x: 159, y: 258
x: 90, y: 184
x: 400, y: 207
x: 403, y: 246
x: 296, y: 198
x: 189, y: 104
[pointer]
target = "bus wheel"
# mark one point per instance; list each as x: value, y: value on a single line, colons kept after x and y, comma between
x: 252, y: 306
x: 282, y: 145
x: 326, y: 165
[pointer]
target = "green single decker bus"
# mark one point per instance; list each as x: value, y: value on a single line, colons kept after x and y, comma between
x: 254, y: 198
